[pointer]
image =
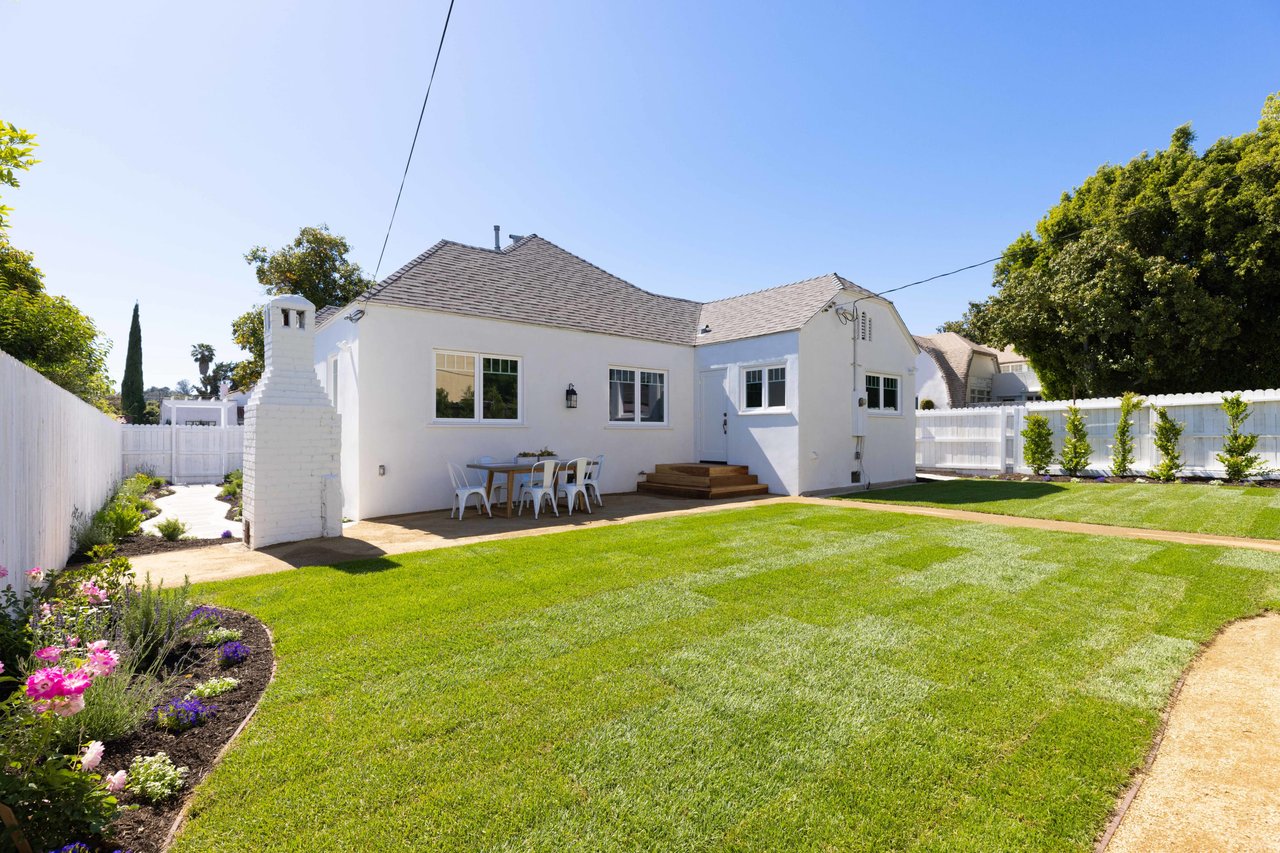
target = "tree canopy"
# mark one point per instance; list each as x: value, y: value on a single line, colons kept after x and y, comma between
x: 132, y: 400
x: 1160, y: 275
x: 314, y: 265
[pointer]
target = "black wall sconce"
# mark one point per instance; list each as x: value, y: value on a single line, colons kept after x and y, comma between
x: 570, y: 398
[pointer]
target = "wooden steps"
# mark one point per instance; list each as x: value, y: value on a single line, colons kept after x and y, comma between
x: 696, y: 480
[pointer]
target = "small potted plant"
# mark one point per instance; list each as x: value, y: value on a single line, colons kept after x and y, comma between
x: 533, y: 457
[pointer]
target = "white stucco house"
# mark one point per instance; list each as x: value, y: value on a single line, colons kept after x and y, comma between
x: 953, y: 372
x: 467, y: 352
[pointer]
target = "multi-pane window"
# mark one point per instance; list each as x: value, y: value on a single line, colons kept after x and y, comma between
x: 882, y: 393
x: 637, y: 396
x: 459, y: 375
x: 764, y: 388
x: 979, y: 396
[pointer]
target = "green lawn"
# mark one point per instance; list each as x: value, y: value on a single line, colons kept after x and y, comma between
x: 1250, y: 511
x: 778, y: 678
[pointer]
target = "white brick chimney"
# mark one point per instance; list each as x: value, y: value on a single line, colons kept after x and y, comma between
x: 292, y: 437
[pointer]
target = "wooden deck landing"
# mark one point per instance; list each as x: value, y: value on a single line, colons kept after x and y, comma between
x: 701, y: 480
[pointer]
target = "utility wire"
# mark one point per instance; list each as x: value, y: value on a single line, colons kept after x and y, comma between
x: 412, y: 145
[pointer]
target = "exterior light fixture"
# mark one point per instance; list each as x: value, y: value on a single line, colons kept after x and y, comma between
x: 570, y: 397
x: 705, y: 330
x: 355, y: 315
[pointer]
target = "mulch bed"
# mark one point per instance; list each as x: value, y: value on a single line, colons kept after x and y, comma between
x: 145, y: 829
x: 141, y: 544
x: 1087, y: 478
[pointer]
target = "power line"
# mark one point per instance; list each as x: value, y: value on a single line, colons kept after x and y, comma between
x: 412, y: 145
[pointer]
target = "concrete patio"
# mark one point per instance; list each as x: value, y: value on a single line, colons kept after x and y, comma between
x: 402, y: 534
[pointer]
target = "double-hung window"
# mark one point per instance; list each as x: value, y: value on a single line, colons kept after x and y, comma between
x: 475, y: 387
x: 764, y: 388
x: 882, y: 393
x: 637, y: 396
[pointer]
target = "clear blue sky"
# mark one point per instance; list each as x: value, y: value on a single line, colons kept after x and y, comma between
x: 696, y: 149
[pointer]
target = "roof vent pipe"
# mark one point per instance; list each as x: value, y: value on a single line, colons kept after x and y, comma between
x: 497, y: 238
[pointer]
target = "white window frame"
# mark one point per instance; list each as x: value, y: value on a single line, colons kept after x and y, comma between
x: 767, y: 407
x: 478, y: 386
x: 635, y: 422
x: 881, y: 411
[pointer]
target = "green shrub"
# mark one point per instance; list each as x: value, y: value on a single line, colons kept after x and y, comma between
x: 120, y: 518
x: 114, y: 706
x: 1168, y: 433
x: 88, y: 531
x: 1075, y: 449
x: 154, y: 622
x: 154, y: 778
x: 1037, y: 444
x: 213, y: 687
x: 233, y: 483
x: 1122, y: 449
x: 55, y: 802
x: 158, y: 484
x: 1237, y: 454
x: 171, y: 529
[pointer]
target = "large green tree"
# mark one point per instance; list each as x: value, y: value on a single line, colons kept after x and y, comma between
x: 314, y: 265
x: 44, y: 332
x: 1160, y: 275
x: 131, y: 399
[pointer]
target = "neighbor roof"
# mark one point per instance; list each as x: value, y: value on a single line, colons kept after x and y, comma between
x: 535, y: 281
x: 1009, y: 355
x: 953, y: 354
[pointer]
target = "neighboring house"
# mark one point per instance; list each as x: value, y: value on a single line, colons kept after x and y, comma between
x: 197, y: 412
x: 953, y: 372
x: 1016, y: 382
x: 467, y: 352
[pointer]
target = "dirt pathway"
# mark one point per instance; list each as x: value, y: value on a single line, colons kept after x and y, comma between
x: 1215, y: 782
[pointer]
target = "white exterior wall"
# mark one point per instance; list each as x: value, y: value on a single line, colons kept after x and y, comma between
x: 829, y: 391
x: 58, y: 454
x: 768, y: 442
x: 338, y: 344
x: 930, y: 384
x: 396, y: 405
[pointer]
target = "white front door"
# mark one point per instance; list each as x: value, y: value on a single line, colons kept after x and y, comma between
x: 713, y: 417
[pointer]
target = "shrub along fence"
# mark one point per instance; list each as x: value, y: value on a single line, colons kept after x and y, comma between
x: 988, y: 439
x: 182, y: 454
x: 58, y: 454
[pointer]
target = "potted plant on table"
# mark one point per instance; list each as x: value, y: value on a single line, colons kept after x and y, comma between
x: 533, y: 457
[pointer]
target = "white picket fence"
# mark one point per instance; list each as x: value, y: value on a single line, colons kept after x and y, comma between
x: 58, y: 454
x: 988, y: 439
x: 182, y: 454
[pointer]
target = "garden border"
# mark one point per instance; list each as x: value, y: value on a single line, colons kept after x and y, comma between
x: 181, y: 817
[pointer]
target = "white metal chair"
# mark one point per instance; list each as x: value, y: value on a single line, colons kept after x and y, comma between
x: 578, y: 486
x: 499, y: 484
x: 540, y: 486
x: 592, y: 481
x: 463, y: 490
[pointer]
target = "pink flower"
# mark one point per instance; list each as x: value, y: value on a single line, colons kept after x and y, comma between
x: 92, y: 755
x: 1, y: 667
x: 116, y: 781
x: 93, y: 593
x: 46, y: 609
x: 4, y: 573
x: 75, y: 683
x: 34, y: 575
x: 45, y: 683
x: 72, y: 642
x: 69, y: 705
x: 101, y: 662
x: 97, y: 645
x: 49, y: 654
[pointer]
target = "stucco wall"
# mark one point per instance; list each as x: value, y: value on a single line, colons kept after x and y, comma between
x: 767, y: 442
x: 930, y: 385
x: 340, y: 340
x: 396, y: 403
x: 829, y: 390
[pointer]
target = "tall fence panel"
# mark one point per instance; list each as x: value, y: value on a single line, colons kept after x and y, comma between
x: 972, y: 440
x: 58, y: 454
x: 182, y: 454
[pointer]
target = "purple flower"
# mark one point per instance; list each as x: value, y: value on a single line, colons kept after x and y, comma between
x: 226, y: 534
x: 204, y: 613
x: 178, y: 715
x: 232, y: 653
x: 1047, y: 478
x: 1100, y: 479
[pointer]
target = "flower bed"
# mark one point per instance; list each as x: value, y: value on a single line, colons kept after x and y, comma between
x: 101, y: 735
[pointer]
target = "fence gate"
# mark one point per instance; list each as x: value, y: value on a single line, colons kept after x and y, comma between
x: 183, y: 454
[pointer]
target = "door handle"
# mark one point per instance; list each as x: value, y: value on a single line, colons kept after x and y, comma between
x: 724, y: 425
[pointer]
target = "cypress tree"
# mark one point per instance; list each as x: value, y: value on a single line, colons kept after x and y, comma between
x: 135, y: 407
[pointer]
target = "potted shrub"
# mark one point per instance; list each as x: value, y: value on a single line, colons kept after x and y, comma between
x: 533, y: 457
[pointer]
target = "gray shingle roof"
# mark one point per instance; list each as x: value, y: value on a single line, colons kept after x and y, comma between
x: 536, y: 281
x: 954, y: 355
x: 778, y: 309
x: 325, y: 313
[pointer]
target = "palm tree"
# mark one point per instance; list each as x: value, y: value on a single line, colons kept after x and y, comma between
x: 202, y: 355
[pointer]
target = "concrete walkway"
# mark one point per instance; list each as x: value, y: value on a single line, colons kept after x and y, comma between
x: 199, y: 509
x: 1215, y: 781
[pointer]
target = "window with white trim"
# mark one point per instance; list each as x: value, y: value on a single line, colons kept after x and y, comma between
x: 459, y: 375
x: 979, y: 396
x: 882, y: 393
x: 764, y: 388
x: 637, y: 396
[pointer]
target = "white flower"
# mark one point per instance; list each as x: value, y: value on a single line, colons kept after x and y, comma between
x: 92, y: 755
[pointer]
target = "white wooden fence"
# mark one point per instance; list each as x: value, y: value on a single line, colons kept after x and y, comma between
x: 58, y: 454
x: 182, y: 454
x: 988, y: 439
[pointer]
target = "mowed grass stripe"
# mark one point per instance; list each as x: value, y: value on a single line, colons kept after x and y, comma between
x: 1249, y: 511
x: 775, y: 678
